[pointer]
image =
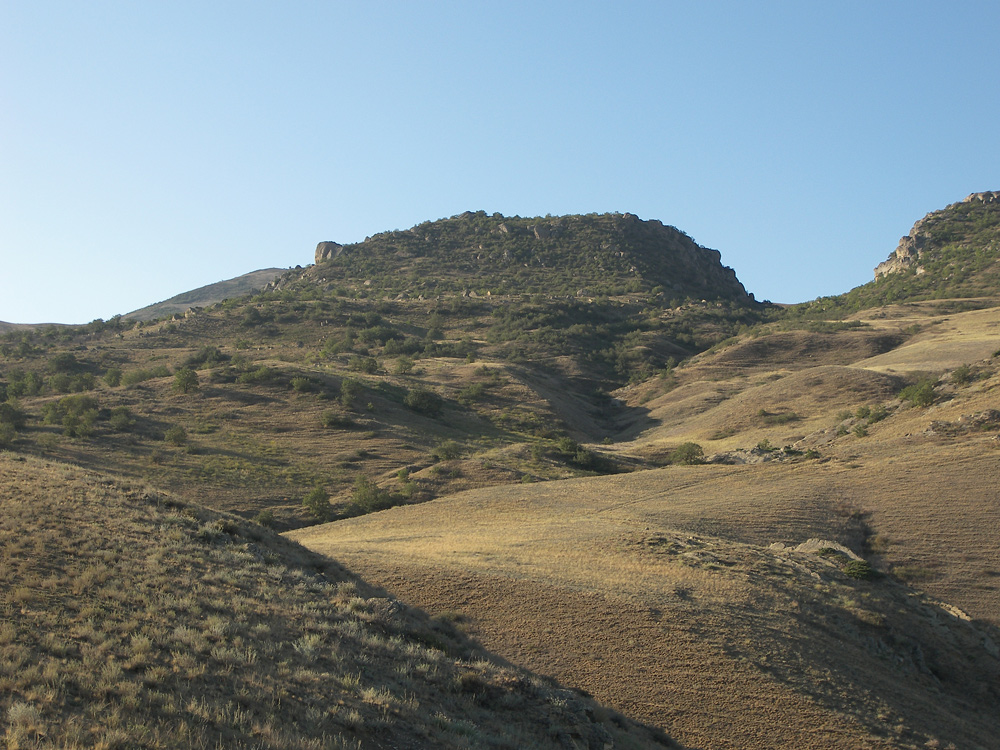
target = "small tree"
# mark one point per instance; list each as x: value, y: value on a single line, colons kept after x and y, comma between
x: 185, y: 380
x: 368, y: 496
x: 317, y: 502
x: 176, y: 435
x: 687, y: 453
x: 424, y: 401
x: 920, y: 393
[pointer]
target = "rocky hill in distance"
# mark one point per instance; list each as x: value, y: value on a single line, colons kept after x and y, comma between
x: 580, y: 256
x: 210, y: 294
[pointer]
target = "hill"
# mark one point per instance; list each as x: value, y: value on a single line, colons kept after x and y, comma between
x: 130, y: 619
x: 575, y: 256
x: 680, y: 595
x: 953, y: 253
x: 207, y: 295
x: 607, y: 481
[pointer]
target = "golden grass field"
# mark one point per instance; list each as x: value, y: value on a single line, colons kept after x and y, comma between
x: 659, y: 591
x: 130, y: 619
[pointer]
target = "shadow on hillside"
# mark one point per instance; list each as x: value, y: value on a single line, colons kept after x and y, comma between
x: 444, y: 633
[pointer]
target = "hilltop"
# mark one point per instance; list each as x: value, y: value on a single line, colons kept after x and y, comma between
x: 952, y: 253
x: 578, y: 256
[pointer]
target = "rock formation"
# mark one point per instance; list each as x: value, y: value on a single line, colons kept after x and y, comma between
x: 328, y: 251
x: 911, y: 247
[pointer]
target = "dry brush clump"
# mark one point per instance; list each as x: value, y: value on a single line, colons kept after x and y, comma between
x: 129, y: 619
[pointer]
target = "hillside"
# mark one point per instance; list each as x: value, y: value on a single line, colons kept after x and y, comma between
x: 312, y: 383
x: 208, y: 295
x: 575, y: 256
x: 577, y: 440
x: 677, y: 595
x: 129, y: 619
x: 950, y: 254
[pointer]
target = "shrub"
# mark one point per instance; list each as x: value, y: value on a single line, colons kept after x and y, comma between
x: 185, y: 380
x: 961, y: 375
x: 368, y: 496
x: 207, y: 356
x: 302, y: 384
x: 765, y: 446
x: 404, y: 365
x: 76, y: 414
x: 687, y: 453
x: 317, y: 502
x: 121, y: 419
x: 7, y: 435
x: 367, y: 365
x: 859, y: 569
x: 446, y: 450
x: 424, y: 401
x: 11, y: 414
x: 265, y: 518
x: 920, y: 393
x: 350, y: 390
x: 113, y: 377
x: 336, y: 419
x: 176, y: 435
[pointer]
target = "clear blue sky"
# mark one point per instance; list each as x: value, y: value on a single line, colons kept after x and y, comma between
x: 151, y: 147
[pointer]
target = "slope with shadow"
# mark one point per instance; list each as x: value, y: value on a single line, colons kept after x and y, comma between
x: 130, y: 619
x: 681, y: 595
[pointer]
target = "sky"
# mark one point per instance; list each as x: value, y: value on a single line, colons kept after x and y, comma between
x: 151, y: 147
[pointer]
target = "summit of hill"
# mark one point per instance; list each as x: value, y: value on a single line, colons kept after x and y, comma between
x: 580, y: 256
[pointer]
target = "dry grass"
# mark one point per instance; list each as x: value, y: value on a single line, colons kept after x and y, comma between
x: 129, y: 619
x: 656, y: 591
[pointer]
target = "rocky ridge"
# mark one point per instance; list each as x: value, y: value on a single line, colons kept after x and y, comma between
x: 911, y: 247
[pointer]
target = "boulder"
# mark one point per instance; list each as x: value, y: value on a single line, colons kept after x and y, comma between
x: 328, y: 251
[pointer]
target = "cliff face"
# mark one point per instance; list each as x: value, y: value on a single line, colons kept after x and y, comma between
x: 911, y: 248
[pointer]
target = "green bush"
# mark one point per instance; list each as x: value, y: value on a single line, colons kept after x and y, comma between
x: 424, y: 401
x: 859, y: 569
x: 7, y: 435
x: 920, y: 393
x: 317, y: 502
x: 961, y: 375
x: 368, y: 497
x: 207, y: 356
x: 302, y: 384
x: 367, y: 365
x: 350, y: 391
x: 185, y: 380
x: 76, y: 414
x: 446, y: 450
x: 687, y: 453
x: 121, y: 419
x: 176, y: 435
x: 337, y: 420
x: 11, y: 414
x: 404, y: 365
x: 113, y: 377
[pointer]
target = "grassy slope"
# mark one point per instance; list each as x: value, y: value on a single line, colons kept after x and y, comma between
x: 677, y: 558
x: 130, y: 619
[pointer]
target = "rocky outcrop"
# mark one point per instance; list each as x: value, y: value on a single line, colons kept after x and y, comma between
x: 328, y: 251
x: 911, y: 247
